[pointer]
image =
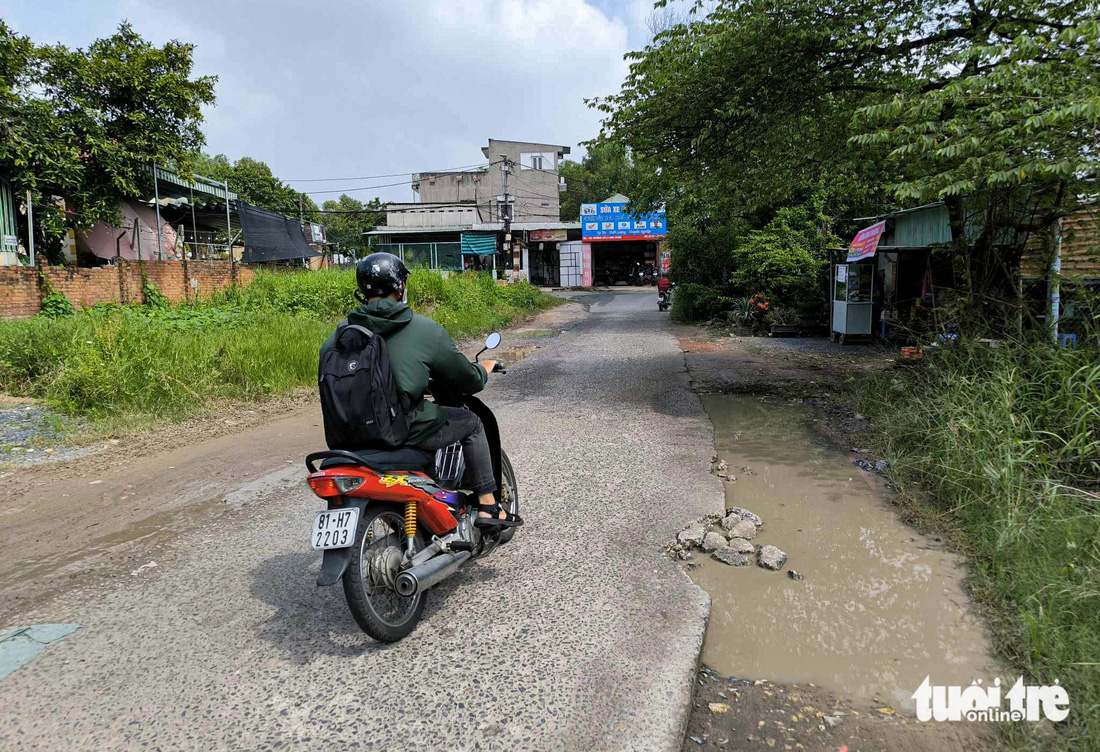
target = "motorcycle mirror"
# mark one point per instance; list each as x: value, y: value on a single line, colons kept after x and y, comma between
x: 492, y: 342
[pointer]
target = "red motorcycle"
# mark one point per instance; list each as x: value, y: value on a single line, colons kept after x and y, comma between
x: 398, y: 521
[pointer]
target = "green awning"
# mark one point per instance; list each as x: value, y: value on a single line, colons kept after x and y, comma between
x: 479, y: 243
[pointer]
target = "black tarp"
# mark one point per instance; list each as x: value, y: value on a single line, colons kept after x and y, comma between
x: 271, y: 237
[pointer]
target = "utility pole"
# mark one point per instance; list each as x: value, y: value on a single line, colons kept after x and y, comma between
x: 504, y: 202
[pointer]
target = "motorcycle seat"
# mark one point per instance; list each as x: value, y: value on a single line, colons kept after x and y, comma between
x: 405, y: 458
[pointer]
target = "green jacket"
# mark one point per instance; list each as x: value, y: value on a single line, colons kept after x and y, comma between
x: 419, y: 349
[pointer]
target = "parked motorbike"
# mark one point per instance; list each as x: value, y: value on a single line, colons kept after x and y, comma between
x: 398, y: 521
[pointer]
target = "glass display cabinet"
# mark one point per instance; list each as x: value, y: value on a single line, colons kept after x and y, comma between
x: 852, y: 300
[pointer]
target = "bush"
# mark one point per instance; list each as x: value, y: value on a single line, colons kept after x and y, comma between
x: 245, y: 344
x: 54, y: 304
x: 698, y: 303
x: 785, y: 259
x: 1006, y: 443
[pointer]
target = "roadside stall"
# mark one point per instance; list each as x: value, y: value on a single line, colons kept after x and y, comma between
x: 853, y: 283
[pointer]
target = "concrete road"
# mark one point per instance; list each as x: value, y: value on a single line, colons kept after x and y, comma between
x: 579, y: 635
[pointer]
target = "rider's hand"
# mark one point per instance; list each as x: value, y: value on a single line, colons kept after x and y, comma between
x: 489, y: 365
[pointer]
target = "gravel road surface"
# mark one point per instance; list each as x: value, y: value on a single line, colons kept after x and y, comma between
x: 579, y: 635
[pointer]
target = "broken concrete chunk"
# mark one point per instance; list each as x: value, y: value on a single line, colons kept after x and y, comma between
x: 771, y: 557
x: 730, y: 520
x: 744, y: 529
x: 729, y: 556
x: 713, y: 541
x: 746, y: 515
x: 741, y: 546
x: 693, y: 536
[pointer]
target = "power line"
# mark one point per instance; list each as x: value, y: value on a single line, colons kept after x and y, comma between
x: 391, y: 175
x: 373, y: 187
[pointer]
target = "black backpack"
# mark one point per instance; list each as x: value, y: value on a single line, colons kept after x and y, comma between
x: 359, y: 400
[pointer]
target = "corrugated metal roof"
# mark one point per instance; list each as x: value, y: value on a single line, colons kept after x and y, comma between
x: 201, y: 185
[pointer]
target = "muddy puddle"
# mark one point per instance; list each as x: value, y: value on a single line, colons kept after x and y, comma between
x: 881, y: 606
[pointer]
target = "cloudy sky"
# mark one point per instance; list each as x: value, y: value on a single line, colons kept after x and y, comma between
x: 356, y: 88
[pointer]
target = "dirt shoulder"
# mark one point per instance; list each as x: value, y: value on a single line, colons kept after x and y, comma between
x: 62, y: 518
x: 738, y: 713
x: 741, y: 714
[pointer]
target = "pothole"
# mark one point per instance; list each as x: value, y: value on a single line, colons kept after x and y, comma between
x: 872, y: 607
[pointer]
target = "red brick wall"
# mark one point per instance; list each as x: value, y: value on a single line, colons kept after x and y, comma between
x: 20, y: 293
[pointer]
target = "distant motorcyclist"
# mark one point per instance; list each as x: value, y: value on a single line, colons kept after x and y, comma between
x: 421, y: 350
x: 663, y: 284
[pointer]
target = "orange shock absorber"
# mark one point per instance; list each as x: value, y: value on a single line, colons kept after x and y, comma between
x: 410, y: 521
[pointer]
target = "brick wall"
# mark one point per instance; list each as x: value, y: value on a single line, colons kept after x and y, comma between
x: 20, y: 292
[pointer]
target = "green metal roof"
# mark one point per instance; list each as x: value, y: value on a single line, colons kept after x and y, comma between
x: 203, y: 187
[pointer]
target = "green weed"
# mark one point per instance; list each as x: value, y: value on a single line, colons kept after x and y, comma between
x: 1006, y: 443
x: 161, y: 362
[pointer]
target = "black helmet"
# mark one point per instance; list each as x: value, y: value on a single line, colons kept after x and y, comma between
x: 379, y: 275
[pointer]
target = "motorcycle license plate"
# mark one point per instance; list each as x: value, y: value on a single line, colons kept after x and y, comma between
x: 334, y: 528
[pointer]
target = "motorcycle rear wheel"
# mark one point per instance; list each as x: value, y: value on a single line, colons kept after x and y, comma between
x: 509, y: 493
x: 378, y: 609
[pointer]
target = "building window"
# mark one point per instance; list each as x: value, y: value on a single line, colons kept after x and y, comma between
x: 536, y: 162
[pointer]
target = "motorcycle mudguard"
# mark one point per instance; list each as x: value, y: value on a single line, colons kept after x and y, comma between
x: 333, y: 565
x: 334, y: 561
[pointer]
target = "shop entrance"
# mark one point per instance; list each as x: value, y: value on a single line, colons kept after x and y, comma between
x: 617, y: 262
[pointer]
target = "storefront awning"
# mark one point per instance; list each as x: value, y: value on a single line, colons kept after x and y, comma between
x: 479, y: 243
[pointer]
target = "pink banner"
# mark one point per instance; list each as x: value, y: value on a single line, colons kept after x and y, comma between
x: 866, y: 242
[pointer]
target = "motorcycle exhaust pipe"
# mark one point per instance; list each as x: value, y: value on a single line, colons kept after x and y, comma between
x: 430, y: 573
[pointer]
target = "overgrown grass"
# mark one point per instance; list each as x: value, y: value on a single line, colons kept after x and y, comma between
x: 1004, y: 445
x: 110, y: 361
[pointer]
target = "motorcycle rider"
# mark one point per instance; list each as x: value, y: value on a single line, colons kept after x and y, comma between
x: 419, y: 350
x: 663, y: 283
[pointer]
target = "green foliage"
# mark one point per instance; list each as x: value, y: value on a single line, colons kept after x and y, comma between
x: 691, y: 302
x: 256, y: 184
x: 54, y: 304
x: 84, y: 124
x: 741, y: 311
x: 326, y: 295
x: 606, y: 169
x: 349, y: 220
x: 702, y: 250
x: 263, y: 340
x: 785, y: 259
x: 152, y: 296
x: 114, y: 361
x: 1005, y: 443
x: 1002, y: 96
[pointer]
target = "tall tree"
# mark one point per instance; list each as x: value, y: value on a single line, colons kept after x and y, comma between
x: 348, y: 219
x: 256, y: 184
x: 989, y: 99
x: 605, y: 170
x: 85, y: 124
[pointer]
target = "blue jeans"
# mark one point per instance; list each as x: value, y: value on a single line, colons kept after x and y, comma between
x: 465, y: 427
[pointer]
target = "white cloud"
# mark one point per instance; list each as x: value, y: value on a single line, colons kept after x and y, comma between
x: 342, y: 88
